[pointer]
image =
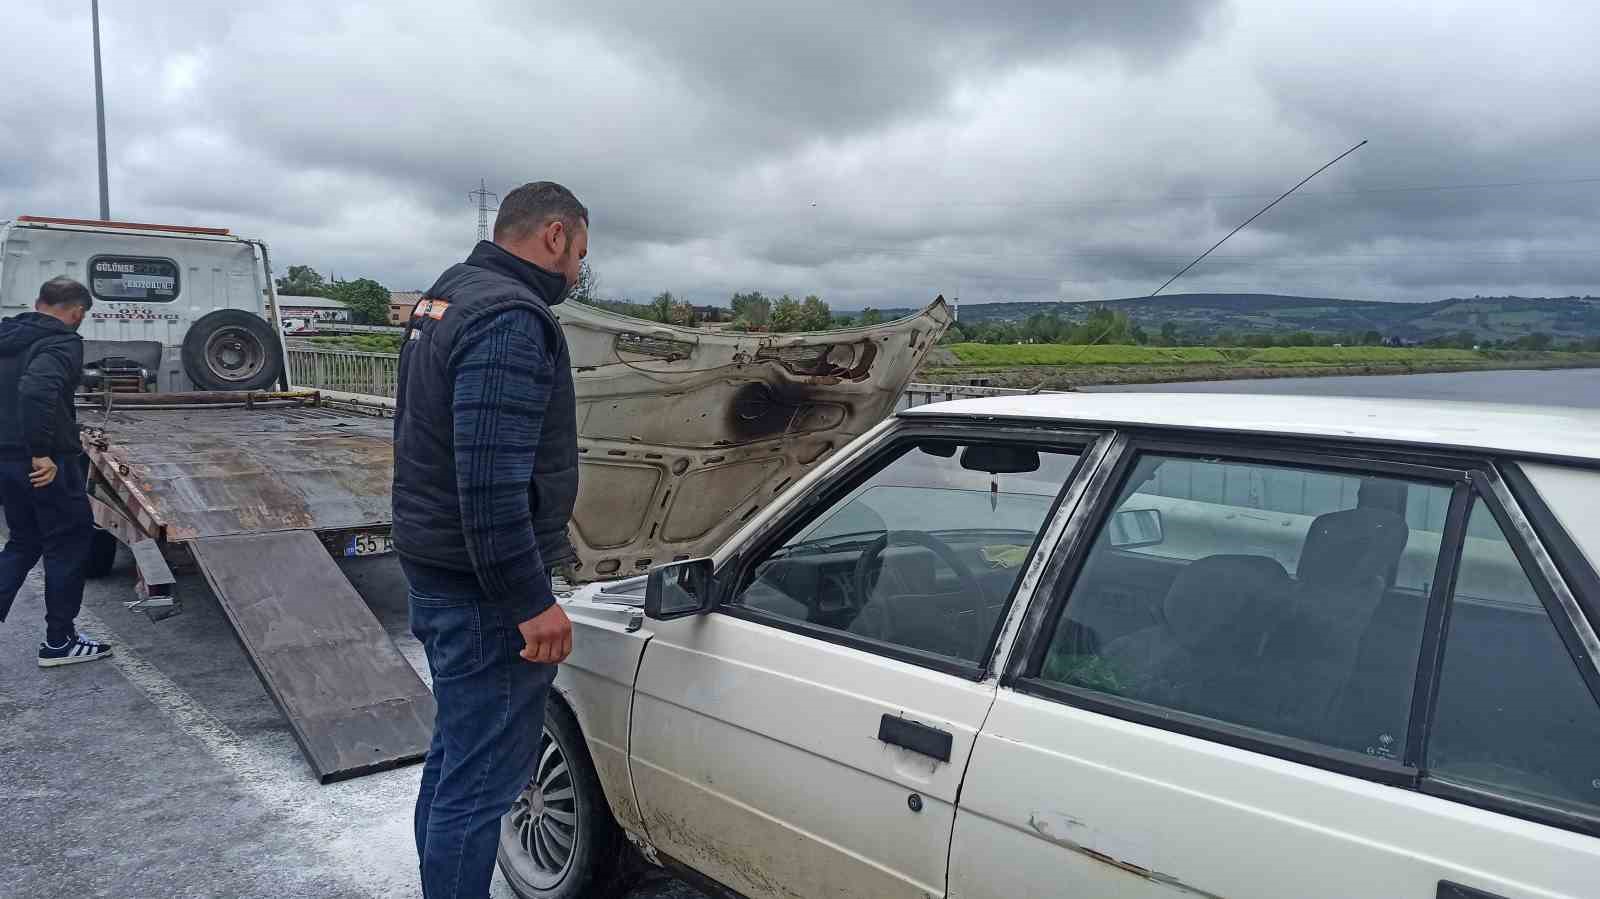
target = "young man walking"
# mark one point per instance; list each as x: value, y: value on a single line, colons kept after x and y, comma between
x: 485, y: 478
x: 42, y: 473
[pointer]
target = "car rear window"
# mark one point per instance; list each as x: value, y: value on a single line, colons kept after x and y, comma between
x: 1279, y: 598
x: 1514, y: 715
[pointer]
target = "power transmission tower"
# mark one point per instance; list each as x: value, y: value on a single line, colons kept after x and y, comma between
x: 487, y: 202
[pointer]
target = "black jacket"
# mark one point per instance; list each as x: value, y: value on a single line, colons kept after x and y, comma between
x: 41, y: 363
x: 428, y: 524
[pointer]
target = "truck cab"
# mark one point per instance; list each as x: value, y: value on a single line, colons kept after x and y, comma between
x: 176, y: 308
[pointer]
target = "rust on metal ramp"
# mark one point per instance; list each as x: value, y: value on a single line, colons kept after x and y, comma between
x: 207, y: 472
x: 354, y: 703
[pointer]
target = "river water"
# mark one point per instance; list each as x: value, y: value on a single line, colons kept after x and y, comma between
x: 1568, y: 387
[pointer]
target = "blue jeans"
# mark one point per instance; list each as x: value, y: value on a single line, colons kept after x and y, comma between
x: 53, y: 522
x: 485, y: 738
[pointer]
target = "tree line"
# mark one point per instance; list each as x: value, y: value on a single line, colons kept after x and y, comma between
x: 756, y: 312
x: 752, y: 312
x: 367, y: 300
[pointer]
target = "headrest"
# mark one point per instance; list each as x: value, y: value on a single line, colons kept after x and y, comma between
x: 1352, y: 546
x: 1222, y: 603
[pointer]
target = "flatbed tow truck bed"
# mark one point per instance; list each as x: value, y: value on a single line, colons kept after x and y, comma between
x: 260, y: 492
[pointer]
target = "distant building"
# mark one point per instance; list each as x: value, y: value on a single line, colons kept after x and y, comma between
x: 401, y: 302
x: 312, y: 309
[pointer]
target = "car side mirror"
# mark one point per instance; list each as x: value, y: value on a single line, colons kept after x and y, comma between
x: 1136, y: 527
x: 680, y: 589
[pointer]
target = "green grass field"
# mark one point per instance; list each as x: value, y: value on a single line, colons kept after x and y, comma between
x: 985, y: 354
x: 365, y: 343
x: 1069, y: 354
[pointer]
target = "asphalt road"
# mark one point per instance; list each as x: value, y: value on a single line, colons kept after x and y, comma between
x: 166, y: 771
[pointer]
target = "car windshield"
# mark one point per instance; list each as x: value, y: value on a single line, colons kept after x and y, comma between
x: 929, y: 491
x: 938, y: 510
x: 924, y: 552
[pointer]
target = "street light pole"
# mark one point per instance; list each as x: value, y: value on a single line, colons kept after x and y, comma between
x: 100, y: 113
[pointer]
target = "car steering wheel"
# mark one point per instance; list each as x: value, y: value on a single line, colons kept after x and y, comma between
x: 865, y: 583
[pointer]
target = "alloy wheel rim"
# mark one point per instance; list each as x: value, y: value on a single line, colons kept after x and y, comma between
x: 540, y: 832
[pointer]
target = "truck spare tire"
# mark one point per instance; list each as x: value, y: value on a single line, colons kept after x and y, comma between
x: 232, y: 349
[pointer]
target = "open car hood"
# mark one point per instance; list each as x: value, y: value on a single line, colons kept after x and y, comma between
x: 685, y: 433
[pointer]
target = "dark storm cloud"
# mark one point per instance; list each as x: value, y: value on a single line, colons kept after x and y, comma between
x: 873, y: 152
x: 796, y: 71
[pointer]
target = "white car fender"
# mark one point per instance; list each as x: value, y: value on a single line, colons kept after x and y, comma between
x: 596, y: 684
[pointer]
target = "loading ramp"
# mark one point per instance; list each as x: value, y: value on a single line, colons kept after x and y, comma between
x: 260, y: 493
x: 353, y: 701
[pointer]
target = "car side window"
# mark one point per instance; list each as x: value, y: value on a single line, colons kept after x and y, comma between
x: 1281, y: 598
x: 922, y: 554
x: 1514, y: 715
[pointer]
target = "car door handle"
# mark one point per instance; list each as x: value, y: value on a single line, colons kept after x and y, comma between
x: 1449, y: 890
x: 916, y: 736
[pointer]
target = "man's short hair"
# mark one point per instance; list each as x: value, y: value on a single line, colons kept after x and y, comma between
x: 534, y: 205
x: 62, y: 292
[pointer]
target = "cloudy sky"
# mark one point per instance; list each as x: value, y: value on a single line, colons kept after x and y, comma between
x: 874, y: 152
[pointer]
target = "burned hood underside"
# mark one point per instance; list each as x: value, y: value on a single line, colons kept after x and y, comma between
x: 685, y: 433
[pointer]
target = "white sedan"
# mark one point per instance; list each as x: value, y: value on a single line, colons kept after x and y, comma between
x: 1108, y: 645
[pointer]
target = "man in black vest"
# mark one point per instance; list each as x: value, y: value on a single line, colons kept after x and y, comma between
x: 485, y: 478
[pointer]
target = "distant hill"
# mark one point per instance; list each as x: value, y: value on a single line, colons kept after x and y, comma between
x: 1206, y: 314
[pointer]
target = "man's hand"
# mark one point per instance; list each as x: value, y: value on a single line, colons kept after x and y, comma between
x: 548, y: 635
x: 44, y: 471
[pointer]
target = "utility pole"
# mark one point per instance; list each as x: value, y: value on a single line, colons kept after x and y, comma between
x: 100, y: 112
x: 484, y: 198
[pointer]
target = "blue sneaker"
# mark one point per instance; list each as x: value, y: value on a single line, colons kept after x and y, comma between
x: 78, y: 649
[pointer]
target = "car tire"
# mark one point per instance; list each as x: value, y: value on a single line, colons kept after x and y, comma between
x: 102, y: 554
x: 232, y: 349
x: 532, y: 860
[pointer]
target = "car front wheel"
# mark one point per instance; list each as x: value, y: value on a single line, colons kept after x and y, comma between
x: 559, y: 840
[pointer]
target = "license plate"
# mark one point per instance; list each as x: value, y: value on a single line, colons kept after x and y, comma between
x: 369, y: 545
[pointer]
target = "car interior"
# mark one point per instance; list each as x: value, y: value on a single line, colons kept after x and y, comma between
x: 1329, y: 651
x: 939, y: 588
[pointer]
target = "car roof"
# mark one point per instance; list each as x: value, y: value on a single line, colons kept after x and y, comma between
x: 1552, y: 432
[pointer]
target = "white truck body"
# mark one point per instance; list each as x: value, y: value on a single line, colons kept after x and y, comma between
x: 150, y: 283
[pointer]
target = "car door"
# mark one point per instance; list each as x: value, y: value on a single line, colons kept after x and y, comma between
x: 1365, y: 679
x: 808, y: 737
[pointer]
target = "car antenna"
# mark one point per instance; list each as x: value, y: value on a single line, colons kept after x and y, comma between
x: 1198, y: 259
x: 1330, y: 164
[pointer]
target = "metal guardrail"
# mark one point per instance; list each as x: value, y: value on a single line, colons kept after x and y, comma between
x: 350, y: 371
x: 917, y: 394
x: 319, y: 329
x: 375, y: 374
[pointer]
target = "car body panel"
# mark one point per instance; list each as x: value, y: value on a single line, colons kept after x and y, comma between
x: 596, y: 683
x: 757, y: 761
x: 1115, y: 808
x: 1538, y: 432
